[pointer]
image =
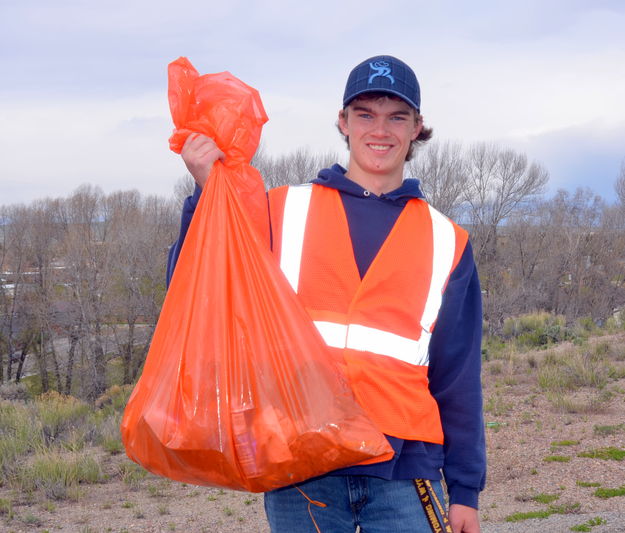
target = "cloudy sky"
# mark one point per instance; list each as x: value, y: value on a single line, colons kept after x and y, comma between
x: 83, y: 90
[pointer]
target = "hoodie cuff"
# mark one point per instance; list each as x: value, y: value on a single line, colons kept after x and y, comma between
x: 193, y: 200
x: 464, y: 496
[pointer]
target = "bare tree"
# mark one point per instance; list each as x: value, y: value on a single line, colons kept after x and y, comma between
x: 42, y: 235
x: 185, y: 186
x: 300, y: 166
x: 86, y: 248
x: 441, y: 170
x: 16, y: 319
x: 498, y: 181
x: 141, y: 230
x: 581, y: 267
x: 620, y: 184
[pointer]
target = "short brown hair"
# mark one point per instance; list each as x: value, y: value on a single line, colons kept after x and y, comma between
x: 424, y: 135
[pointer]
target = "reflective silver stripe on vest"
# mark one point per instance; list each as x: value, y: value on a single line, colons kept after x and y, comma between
x: 444, y: 247
x: 365, y: 339
x: 356, y: 336
x: 293, y: 227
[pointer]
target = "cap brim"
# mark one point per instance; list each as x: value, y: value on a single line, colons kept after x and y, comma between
x: 388, y: 91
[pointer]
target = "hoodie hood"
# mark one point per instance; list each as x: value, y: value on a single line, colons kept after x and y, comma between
x: 334, y: 177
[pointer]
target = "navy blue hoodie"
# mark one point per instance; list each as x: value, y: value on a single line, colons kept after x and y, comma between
x: 455, y: 346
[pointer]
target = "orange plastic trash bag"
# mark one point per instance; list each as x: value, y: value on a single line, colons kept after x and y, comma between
x: 238, y: 389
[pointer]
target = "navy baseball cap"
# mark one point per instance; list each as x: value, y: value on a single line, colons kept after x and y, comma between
x: 385, y: 74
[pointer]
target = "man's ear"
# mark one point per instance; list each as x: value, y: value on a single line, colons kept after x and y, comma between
x: 343, y: 122
x: 417, y: 129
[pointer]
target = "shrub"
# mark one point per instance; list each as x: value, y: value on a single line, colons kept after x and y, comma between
x: 20, y: 433
x: 14, y: 392
x: 54, y: 473
x: 602, y: 349
x: 571, y: 370
x: 536, y: 330
x: 58, y: 413
x: 586, y: 324
x: 114, y: 399
x: 497, y: 405
x: 107, y: 433
x: 565, y: 403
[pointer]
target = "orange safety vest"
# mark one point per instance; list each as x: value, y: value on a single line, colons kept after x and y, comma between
x: 379, y: 326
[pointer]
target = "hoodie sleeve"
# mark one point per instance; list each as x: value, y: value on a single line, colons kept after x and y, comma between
x: 455, y: 382
x: 188, y: 209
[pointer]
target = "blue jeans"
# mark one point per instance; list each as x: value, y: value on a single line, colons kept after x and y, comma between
x: 376, y: 505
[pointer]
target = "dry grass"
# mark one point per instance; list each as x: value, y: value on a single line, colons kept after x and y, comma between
x: 555, y: 425
x: 61, y: 470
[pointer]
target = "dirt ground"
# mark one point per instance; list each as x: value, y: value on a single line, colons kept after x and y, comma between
x: 524, y: 434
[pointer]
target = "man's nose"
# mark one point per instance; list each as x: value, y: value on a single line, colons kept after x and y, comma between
x: 379, y: 127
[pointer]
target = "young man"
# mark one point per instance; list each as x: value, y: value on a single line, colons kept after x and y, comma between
x: 392, y: 287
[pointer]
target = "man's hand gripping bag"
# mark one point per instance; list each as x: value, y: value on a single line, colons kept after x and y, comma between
x: 238, y: 389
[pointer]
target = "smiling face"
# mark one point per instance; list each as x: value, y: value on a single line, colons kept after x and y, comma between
x: 380, y: 131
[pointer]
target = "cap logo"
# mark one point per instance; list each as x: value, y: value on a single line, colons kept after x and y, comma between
x: 381, y: 69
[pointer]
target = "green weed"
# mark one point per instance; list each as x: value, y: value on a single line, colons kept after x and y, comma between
x: 545, y: 498
x: 31, y: 520
x: 587, y: 484
x: 587, y: 526
x: 557, y: 459
x: 605, y: 493
x: 132, y: 474
x: 48, y: 506
x: 608, y: 430
x: 113, y: 446
x: 519, y: 517
x: 6, y: 508
x: 610, y: 453
x: 498, y: 406
x: 565, y: 443
x: 155, y: 491
x: 616, y: 372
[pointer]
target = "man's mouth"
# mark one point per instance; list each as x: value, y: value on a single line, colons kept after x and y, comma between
x: 380, y: 147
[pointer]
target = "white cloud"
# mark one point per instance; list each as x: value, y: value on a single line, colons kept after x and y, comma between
x: 84, y: 92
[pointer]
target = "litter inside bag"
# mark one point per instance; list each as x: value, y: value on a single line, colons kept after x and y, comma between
x: 238, y: 388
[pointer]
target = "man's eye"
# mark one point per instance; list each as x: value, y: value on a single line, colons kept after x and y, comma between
x: 364, y: 115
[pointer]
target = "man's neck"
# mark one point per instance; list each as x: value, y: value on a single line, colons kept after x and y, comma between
x: 378, y: 184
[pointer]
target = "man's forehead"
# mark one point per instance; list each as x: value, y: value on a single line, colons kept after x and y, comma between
x: 369, y: 100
